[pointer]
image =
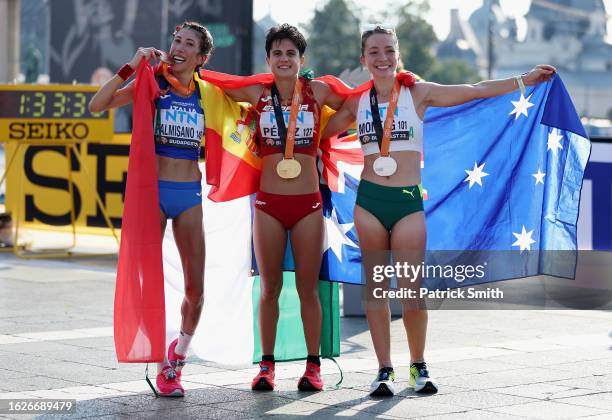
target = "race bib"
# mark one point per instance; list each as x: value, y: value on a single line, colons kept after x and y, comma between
x: 304, y: 129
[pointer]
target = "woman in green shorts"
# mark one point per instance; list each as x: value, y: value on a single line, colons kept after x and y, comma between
x: 389, y: 210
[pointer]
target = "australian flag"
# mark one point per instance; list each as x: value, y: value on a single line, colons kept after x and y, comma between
x: 503, y: 177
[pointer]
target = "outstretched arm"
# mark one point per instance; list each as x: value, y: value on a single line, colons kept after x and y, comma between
x: 250, y: 94
x: 450, y: 95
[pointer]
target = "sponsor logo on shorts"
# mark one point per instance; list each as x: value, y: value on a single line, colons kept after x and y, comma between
x: 408, y: 192
x: 316, y: 206
x: 261, y: 203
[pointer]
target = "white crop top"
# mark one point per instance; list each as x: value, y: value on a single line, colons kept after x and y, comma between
x: 407, y: 126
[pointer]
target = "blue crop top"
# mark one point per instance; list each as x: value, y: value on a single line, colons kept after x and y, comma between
x: 179, y: 126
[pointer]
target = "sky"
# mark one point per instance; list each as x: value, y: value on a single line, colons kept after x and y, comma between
x: 300, y: 12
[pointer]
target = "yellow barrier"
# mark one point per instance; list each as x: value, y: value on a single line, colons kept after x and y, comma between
x: 64, y: 167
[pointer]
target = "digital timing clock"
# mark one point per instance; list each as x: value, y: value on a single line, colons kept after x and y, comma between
x: 53, y: 113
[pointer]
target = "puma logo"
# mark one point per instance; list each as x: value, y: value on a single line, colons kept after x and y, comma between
x: 405, y: 191
x: 199, y: 194
x: 316, y: 206
x: 261, y: 203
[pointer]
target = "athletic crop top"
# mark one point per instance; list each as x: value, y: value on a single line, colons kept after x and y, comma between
x: 407, y: 131
x: 307, y: 124
x: 179, y: 126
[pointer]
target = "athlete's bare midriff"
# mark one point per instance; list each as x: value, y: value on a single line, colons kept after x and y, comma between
x: 408, y: 170
x: 181, y: 170
x: 307, y: 182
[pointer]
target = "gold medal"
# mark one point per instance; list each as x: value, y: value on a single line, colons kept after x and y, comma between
x: 288, y: 168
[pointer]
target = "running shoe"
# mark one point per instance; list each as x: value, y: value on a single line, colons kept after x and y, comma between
x: 176, y: 360
x: 420, y: 380
x: 311, y: 379
x: 264, y: 381
x: 168, y: 384
x: 384, y: 384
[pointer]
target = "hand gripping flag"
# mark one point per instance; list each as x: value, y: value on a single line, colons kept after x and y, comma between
x: 511, y: 196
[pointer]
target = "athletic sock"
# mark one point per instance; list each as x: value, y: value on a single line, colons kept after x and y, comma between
x: 419, y: 365
x: 162, y: 365
x: 183, y: 343
x: 268, y: 358
x: 314, y: 359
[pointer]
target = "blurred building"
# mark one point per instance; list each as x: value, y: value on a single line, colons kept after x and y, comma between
x: 569, y: 34
x: 9, y: 40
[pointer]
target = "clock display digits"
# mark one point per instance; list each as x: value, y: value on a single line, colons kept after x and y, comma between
x: 22, y: 103
x: 48, y: 102
x: 38, y: 106
x: 59, y: 104
x: 79, y: 104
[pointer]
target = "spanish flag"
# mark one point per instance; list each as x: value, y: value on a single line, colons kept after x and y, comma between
x: 233, y: 167
x: 139, y: 315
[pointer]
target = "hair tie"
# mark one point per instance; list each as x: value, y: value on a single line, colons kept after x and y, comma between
x: 307, y: 74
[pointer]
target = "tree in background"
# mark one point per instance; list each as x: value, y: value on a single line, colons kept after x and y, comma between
x: 333, y: 42
x: 452, y: 72
x: 416, y: 37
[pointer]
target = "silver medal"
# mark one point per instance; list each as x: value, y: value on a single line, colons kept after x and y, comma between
x: 385, y: 166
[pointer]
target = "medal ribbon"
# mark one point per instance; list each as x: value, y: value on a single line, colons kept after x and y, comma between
x: 175, y: 83
x: 287, y: 133
x: 384, y: 136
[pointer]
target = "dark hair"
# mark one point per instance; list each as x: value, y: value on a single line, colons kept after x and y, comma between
x: 206, y: 39
x: 285, y: 31
x: 377, y: 30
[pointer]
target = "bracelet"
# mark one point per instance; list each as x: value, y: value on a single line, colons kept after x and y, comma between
x: 125, y: 71
x: 520, y: 83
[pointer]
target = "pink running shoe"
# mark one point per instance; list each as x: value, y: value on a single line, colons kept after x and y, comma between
x: 168, y: 384
x: 311, y: 380
x: 264, y: 381
x: 176, y: 360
